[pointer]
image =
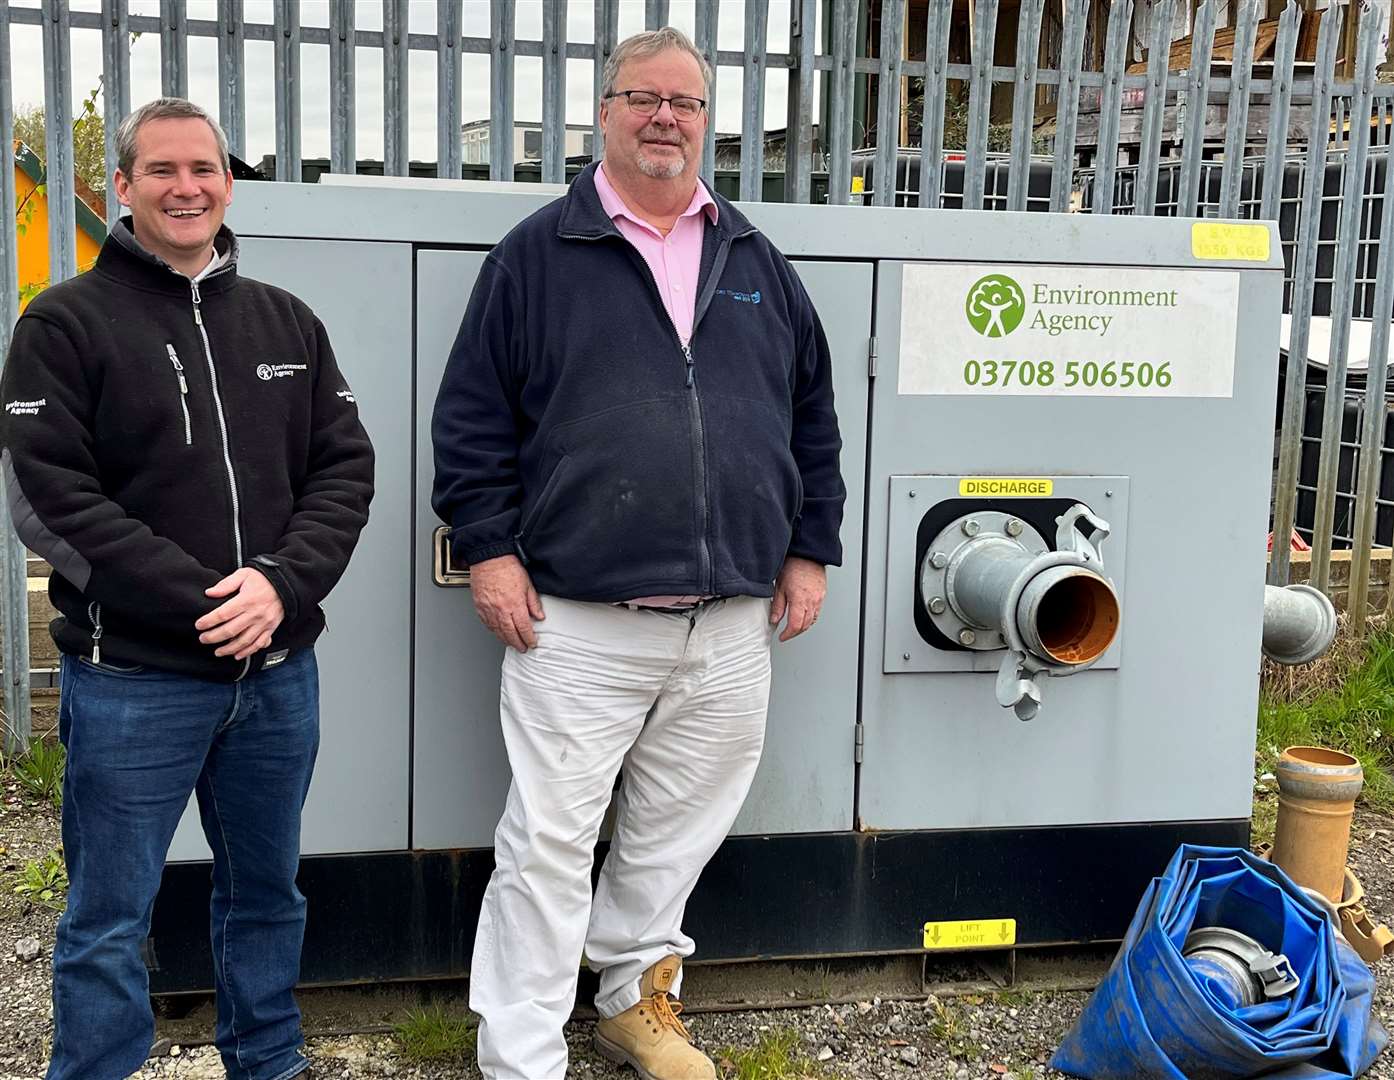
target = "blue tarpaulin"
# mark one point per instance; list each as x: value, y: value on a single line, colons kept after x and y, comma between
x: 1155, y: 1015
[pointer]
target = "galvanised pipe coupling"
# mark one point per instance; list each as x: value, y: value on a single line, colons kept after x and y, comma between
x: 1299, y: 623
x: 990, y: 581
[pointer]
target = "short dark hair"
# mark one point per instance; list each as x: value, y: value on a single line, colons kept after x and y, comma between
x: 165, y: 108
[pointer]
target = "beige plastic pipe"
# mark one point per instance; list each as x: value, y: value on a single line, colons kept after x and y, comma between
x: 1317, y: 789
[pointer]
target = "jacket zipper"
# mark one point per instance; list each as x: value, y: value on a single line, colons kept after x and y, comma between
x: 704, y: 552
x: 183, y: 393
x: 704, y: 301
x: 705, y: 583
x: 94, y: 616
x: 694, y: 401
x: 227, y: 449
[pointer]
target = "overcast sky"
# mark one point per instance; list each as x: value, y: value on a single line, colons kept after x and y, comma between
x: 27, y: 56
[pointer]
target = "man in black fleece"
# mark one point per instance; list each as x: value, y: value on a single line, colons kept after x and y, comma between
x: 179, y: 443
x: 636, y: 446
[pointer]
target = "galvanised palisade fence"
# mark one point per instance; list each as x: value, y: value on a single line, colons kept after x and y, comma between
x: 1180, y: 175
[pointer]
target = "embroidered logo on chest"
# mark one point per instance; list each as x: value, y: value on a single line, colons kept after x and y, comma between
x: 25, y: 408
x: 267, y: 372
x: 740, y: 297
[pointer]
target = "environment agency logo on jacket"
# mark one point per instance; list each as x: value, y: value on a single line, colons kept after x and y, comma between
x: 267, y: 372
x: 995, y: 305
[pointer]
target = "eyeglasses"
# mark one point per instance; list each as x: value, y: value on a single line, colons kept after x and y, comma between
x: 646, y: 103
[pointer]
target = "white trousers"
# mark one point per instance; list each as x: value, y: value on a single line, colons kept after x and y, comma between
x: 679, y: 701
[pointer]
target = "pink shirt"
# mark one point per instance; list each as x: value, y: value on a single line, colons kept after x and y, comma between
x: 675, y: 259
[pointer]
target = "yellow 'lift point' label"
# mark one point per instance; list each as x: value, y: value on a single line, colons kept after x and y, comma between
x: 1016, y: 487
x: 974, y: 934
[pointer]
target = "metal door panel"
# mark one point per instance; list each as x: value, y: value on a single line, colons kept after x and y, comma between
x: 807, y: 777
x: 1168, y: 735
x: 358, y: 799
x: 805, y: 782
x: 461, y: 772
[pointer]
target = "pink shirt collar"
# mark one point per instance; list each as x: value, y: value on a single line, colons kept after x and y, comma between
x: 614, y: 205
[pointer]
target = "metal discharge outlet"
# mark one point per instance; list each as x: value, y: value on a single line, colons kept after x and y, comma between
x: 991, y: 582
x: 1299, y: 623
x: 1069, y: 615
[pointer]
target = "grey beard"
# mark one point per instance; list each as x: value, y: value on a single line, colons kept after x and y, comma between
x: 661, y: 170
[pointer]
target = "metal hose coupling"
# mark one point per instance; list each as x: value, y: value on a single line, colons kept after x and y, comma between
x: 990, y: 581
x: 1299, y: 623
x: 1237, y: 967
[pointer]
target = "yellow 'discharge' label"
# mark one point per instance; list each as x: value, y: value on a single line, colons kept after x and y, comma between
x: 1242, y: 243
x: 974, y: 934
x: 1017, y: 487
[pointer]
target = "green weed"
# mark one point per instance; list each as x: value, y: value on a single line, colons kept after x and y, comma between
x: 949, y: 1026
x: 777, y: 1056
x: 1264, y: 821
x: 1014, y: 998
x: 1349, y: 707
x: 40, y: 771
x: 44, y: 880
x: 432, y: 1034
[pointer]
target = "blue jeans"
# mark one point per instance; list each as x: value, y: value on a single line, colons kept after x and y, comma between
x: 139, y: 742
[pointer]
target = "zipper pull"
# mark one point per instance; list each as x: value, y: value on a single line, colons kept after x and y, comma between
x: 687, y: 355
x: 198, y: 315
x: 178, y: 369
x: 94, y: 616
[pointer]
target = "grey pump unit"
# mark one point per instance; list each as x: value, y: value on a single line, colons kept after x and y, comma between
x: 1037, y: 411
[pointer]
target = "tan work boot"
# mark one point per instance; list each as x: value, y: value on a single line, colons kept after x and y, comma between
x: 650, y: 1036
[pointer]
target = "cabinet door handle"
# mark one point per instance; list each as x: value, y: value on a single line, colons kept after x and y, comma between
x: 443, y: 569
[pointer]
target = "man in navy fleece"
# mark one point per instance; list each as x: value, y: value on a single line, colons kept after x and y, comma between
x: 636, y: 447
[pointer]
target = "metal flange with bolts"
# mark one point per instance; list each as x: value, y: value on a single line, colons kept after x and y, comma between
x: 990, y: 581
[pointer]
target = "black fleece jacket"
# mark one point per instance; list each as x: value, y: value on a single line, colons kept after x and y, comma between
x: 158, y: 434
x: 573, y: 427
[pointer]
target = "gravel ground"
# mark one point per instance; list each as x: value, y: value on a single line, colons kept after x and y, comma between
x: 957, y: 1037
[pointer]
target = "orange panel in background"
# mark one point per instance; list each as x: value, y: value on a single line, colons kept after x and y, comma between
x: 31, y: 219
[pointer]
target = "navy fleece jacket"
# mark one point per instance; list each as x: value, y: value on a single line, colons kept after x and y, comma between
x: 573, y: 428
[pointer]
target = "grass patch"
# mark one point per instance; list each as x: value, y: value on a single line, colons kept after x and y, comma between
x: 1344, y: 701
x: 778, y: 1055
x: 40, y: 771
x: 432, y: 1034
x: 1014, y: 997
x: 44, y: 881
x: 950, y: 1027
x: 1264, y: 821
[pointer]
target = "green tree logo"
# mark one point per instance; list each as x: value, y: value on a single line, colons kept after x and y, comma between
x: 995, y: 305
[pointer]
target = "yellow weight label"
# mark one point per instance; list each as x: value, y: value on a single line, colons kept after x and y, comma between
x: 1016, y: 487
x: 1241, y: 243
x: 858, y: 185
x: 974, y: 934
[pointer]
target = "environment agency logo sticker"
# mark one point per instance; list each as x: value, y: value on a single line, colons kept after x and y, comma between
x: 995, y: 305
